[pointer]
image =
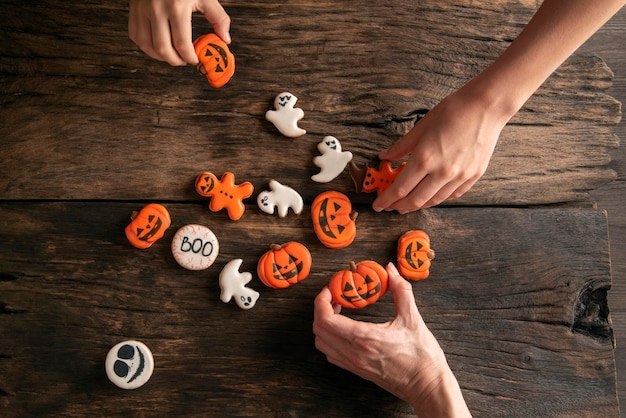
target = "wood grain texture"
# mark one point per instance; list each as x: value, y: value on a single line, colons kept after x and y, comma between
x: 91, y: 115
x: 516, y: 297
x: 608, y: 44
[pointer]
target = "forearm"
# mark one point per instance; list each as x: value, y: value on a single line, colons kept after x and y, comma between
x: 558, y: 29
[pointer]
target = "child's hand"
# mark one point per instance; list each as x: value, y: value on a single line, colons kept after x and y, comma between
x: 162, y: 28
x: 449, y: 148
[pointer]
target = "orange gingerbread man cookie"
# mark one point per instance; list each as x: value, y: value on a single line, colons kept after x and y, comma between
x: 368, y: 179
x: 224, y: 193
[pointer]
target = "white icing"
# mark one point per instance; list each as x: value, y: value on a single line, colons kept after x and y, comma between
x: 195, y: 247
x: 332, y: 161
x: 286, y: 117
x: 280, y: 197
x: 129, y: 364
x: 233, y: 284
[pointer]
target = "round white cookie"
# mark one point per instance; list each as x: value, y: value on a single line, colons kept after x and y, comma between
x: 129, y: 364
x: 195, y: 247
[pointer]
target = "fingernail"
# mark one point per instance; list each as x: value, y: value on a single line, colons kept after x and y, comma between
x: 227, y: 38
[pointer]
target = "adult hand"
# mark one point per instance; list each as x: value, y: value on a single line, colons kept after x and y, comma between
x: 162, y: 28
x: 450, y: 149
x: 401, y: 356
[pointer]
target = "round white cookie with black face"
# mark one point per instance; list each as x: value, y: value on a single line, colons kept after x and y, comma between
x: 129, y: 364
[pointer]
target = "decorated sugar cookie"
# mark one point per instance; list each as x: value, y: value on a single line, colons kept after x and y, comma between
x: 334, y: 221
x: 195, y: 247
x: 216, y: 61
x: 360, y: 285
x: 284, y: 265
x: 286, y: 116
x: 280, y: 197
x: 224, y: 193
x: 332, y: 161
x: 129, y: 364
x: 148, y: 225
x: 233, y: 285
x: 414, y: 255
x: 367, y: 179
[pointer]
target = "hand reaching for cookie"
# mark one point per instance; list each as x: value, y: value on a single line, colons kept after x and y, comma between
x: 451, y: 146
x: 162, y: 28
x: 450, y: 149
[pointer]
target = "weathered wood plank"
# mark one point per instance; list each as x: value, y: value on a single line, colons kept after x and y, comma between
x: 89, y: 115
x: 517, y: 298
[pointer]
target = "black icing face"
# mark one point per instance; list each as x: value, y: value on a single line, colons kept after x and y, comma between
x: 289, y: 270
x: 360, y: 291
x: 130, y: 363
x: 153, y: 227
x: 283, y: 100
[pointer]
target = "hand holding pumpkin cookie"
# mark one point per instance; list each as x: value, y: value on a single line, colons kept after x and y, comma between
x: 162, y: 28
x: 402, y: 356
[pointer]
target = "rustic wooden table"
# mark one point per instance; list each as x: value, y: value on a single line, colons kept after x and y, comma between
x: 92, y: 129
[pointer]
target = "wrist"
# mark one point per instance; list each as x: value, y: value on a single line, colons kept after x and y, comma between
x: 441, y: 398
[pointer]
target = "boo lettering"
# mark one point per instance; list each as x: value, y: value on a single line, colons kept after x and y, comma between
x: 197, y: 246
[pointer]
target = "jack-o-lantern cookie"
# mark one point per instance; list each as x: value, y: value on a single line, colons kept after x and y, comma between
x: 217, y: 63
x: 414, y: 255
x: 334, y: 221
x: 148, y: 225
x: 284, y: 265
x: 360, y: 285
x: 129, y: 364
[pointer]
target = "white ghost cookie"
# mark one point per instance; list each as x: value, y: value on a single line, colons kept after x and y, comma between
x: 286, y: 117
x: 281, y: 197
x: 332, y: 161
x: 233, y: 284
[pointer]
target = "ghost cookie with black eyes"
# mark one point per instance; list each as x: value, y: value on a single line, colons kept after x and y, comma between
x: 281, y: 198
x: 233, y: 284
x: 286, y: 116
x: 332, y: 161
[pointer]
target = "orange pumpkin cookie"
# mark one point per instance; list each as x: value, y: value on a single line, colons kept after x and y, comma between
x: 284, y: 265
x: 224, y: 193
x: 360, y: 285
x: 148, y: 225
x: 367, y: 179
x: 217, y: 63
x: 415, y: 255
x: 334, y: 221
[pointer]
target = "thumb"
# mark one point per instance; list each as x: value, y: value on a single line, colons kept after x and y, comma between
x: 402, y: 291
x: 400, y: 148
